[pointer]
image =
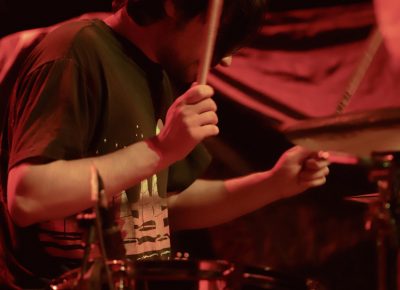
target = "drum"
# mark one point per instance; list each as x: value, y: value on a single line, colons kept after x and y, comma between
x: 265, y: 278
x: 151, y: 275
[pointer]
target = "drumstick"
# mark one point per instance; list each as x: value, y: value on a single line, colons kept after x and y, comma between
x: 213, y: 17
x: 344, y: 158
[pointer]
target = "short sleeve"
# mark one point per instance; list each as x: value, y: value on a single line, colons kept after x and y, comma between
x: 53, y: 114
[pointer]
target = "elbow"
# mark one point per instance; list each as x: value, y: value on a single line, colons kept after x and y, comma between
x: 20, y: 212
x: 19, y: 202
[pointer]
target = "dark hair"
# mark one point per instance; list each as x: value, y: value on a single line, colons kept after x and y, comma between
x: 240, y: 19
x: 145, y: 12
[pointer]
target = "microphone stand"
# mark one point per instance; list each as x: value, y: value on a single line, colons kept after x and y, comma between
x: 386, y: 215
x: 93, y: 221
x: 102, y: 202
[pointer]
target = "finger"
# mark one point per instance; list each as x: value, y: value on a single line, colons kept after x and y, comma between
x: 315, y: 164
x: 197, y: 93
x: 299, y: 153
x: 207, y: 118
x: 206, y: 131
x: 323, y: 155
x: 204, y: 106
x: 311, y: 175
x: 314, y: 182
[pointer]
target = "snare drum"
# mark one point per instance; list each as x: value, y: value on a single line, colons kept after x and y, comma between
x: 153, y: 275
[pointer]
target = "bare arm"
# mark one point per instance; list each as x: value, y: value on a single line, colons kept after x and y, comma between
x: 58, y: 189
x: 207, y: 203
x: 61, y: 188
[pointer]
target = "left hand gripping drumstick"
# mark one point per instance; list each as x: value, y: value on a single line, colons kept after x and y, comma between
x: 213, y: 18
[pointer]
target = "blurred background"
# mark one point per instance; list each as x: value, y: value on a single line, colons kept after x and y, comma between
x: 297, y: 68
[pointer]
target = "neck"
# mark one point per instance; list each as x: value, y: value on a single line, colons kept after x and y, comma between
x: 146, y: 38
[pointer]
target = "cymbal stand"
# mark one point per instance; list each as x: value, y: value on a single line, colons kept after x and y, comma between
x: 386, y: 216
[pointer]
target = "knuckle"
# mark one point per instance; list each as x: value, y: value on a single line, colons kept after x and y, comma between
x: 213, y: 105
x: 215, y: 130
x: 187, y: 121
x: 183, y: 111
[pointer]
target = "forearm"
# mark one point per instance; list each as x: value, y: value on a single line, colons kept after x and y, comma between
x: 208, y: 203
x: 62, y: 188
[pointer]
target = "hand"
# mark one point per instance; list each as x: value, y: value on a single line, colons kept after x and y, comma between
x: 190, y: 119
x: 299, y: 169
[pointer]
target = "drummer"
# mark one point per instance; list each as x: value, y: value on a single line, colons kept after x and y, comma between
x: 105, y: 94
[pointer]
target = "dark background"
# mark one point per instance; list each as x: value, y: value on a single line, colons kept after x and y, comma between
x: 24, y: 14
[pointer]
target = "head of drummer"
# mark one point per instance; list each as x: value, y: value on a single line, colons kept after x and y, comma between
x: 171, y: 32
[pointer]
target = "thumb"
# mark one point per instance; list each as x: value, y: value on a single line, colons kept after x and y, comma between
x: 300, y: 154
x: 198, y: 93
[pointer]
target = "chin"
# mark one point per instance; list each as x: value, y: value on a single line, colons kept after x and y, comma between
x: 182, y: 76
x: 191, y: 79
x: 189, y: 74
x: 186, y: 78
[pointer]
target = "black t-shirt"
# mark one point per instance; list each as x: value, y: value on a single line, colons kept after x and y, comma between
x: 85, y: 91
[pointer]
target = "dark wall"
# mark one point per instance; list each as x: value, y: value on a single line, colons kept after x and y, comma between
x: 24, y: 14
x: 277, y: 5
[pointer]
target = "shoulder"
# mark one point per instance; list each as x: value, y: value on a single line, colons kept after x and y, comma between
x: 69, y: 38
x: 81, y: 41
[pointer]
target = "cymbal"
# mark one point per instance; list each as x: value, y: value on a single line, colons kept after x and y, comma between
x: 357, y: 133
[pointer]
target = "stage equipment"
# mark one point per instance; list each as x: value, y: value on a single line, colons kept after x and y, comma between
x: 372, y: 139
